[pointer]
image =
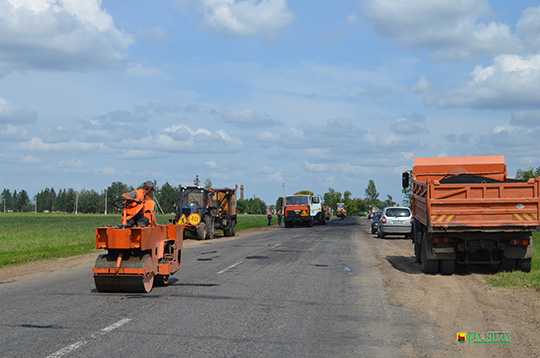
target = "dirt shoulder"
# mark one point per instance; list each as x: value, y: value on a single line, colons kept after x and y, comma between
x: 462, y: 302
x: 11, y: 273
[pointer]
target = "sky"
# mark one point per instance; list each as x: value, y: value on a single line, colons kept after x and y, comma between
x: 275, y: 95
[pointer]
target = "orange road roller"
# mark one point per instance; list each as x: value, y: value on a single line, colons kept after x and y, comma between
x: 137, y: 258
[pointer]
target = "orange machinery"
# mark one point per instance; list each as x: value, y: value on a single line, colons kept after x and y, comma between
x: 341, y: 211
x: 137, y: 258
x: 466, y: 210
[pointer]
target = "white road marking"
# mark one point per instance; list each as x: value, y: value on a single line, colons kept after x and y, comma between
x: 230, y: 267
x: 66, y: 350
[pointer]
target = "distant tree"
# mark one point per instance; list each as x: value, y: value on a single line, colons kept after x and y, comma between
x: 7, y: 200
x: 389, y: 201
x: 256, y: 206
x: 241, y: 206
x: 197, y: 181
x: 407, y: 192
x: 371, y: 192
x: 279, y: 203
x: 114, y: 192
x: 208, y: 184
x: 90, y: 202
x: 331, y: 198
x: 528, y: 174
x: 22, y: 201
x: 167, y: 196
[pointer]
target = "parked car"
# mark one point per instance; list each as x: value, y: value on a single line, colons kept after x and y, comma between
x: 395, y: 221
x: 375, y: 221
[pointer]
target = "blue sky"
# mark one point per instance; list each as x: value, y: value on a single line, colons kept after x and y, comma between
x: 313, y: 94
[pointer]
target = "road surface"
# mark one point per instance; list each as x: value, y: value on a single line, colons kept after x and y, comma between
x: 298, y: 292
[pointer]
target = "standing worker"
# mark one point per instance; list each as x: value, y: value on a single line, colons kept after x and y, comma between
x: 269, y: 216
x: 142, y: 213
x: 279, y: 216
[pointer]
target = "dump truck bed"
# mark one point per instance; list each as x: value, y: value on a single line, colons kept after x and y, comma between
x: 501, y: 206
x: 473, y: 194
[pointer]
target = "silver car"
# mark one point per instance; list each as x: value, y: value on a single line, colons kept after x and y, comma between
x: 395, y: 221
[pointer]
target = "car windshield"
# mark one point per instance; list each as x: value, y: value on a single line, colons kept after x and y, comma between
x: 398, y: 212
x: 377, y: 216
x: 296, y: 200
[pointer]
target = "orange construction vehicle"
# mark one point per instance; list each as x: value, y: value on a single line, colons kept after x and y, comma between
x: 138, y: 257
x: 304, y: 208
x: 467, y: 211
x: 341, y: 211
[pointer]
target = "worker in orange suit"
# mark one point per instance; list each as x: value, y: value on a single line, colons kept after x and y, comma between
x: 269, y: 216
x: 279, y: 217
x: 141, y: 212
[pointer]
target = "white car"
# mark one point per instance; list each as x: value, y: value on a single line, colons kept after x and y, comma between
x: 395, y: 221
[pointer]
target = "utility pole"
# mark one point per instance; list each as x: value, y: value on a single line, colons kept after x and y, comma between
x: 76, y: 201
x: 283, y: 200
x: 105, y: 201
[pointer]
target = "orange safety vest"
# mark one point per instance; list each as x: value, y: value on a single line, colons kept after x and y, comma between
x: 148, y: 208
x: 269, y: 213
x: 135, y: 207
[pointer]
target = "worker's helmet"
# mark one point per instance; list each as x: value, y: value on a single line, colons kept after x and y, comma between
x: 149, y: 185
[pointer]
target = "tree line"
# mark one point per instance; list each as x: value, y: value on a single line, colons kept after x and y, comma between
x: 92, y: 202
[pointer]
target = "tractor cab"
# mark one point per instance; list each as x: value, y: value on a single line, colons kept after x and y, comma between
x: 193, y: 199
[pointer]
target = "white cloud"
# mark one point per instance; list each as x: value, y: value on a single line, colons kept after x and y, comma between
x: 511, y: 82
x: 248, y: 17
x: 409, y: 125
x: 12, y: 114
x: 248, y: 119
x: 450, y: 28
x: 68, y: 34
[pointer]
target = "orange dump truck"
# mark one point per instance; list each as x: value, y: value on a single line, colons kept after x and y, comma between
x: 467, y: 211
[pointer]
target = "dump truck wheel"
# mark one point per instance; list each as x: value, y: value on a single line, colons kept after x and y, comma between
x: 428, y: 266
x: 524, y: 265
x: 447, y: 267
x: 201, y: 231
x: 507, y: 264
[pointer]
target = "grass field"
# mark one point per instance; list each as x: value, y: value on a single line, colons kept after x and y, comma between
x: 30, y: 237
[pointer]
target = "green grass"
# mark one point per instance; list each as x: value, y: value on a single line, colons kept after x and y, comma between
x: 30, y: 237
x: 519, y: 278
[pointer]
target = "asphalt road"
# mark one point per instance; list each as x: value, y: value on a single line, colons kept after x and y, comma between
x: 298, y: 292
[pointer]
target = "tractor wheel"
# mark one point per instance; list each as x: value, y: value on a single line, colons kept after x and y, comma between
x: 209, y: 227
x: 230, y: 230
x: 201, y: 231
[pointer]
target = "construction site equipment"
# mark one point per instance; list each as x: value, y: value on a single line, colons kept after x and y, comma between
x: 305, y: 208
x: 137, y: 258
x: 466, y: 210
x: 341, y: 211
x: 202, y: 211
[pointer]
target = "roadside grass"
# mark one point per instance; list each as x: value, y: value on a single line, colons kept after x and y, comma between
x: 28, y: 237
x: 519, y: 278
